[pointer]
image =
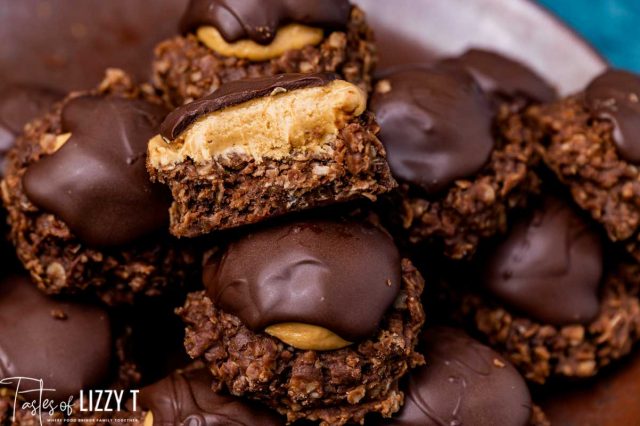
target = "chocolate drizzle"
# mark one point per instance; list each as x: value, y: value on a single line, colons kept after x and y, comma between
x: 615, y: 96
x: 259, y: 20
x: 503, y: 77
x: 187, y: 399
x: 97, y: 183
x: 340, y: 275
x: 68, y: 354
x: 549, y: 266
x: 235, y: 93
x: 435, y: 125
x: 463, y: 383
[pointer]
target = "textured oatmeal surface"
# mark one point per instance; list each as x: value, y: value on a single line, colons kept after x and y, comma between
x: 184, y: 69
x: 471, y: 209
x: 541, y: 351
x: 581, y: 151
x: 334, y: 387
x: 236, y: 190
x: 57, y: 261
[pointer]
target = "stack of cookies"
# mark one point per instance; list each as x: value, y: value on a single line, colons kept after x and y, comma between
x: 267, y: 233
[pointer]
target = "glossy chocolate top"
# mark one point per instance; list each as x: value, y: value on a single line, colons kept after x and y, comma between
x: 235, y: 93
x: 340, y: 275
x: 464, y: 383
x: 19, y: 105
x: 259, y: 20
x: 187, y: 399
x: 67, y: 345
x: 503, y: 77
x: 549, y: 266
x: 615, y: 96
x: 97, y: 183
x: 435, y: 125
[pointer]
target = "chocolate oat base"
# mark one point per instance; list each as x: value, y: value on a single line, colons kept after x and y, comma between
x: 57, y: 261
x: 232, y: 191
x: 472, y: 209
x: 185, y: 69
x: 335, y: 387
x: 581, y: 151
x: 542, y: 351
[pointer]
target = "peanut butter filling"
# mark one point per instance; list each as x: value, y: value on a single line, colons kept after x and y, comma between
x: 267, y: 127
x: 289, y: 37
x: 148, y: 419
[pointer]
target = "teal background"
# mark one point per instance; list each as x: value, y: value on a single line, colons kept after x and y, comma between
x: 612, y: 26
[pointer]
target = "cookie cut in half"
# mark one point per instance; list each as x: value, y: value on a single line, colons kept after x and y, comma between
x: 259, y: 148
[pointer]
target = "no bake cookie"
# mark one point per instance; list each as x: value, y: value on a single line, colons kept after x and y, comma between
x: 590, y: 141
x: 185, y: 397
x: 464, y: 383
x: 316, y: 318
x: 82, y: 210
x: 553, y: 303
x: 462, y: 166
x: 229, y: 40
x: 69, y: 345
x: 260, y: 148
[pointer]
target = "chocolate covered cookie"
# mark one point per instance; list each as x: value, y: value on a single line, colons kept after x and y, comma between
x: 227, y: 40
x: 590, y: 141
x: 552, y: 303
x: 463, y: 166
x: 316, y: 318
x: 463, y: 383
x: 185, y: 397
x: 260, y: 148
x: 70, y: 346
x: 82, y: 210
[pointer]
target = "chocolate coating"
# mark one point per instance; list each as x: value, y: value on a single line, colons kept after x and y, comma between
x: 67, y: 354
x: 340, y: 275
x: 97, y: 183
x: 435, y: 125
x: 235, y: 93
x: 259, y: 20
x: 463, y: 383
x: 549, y: 266
x: 19, y: 105
x: 503, y: 77
x: 187, y: 399
x: 615, y: 96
